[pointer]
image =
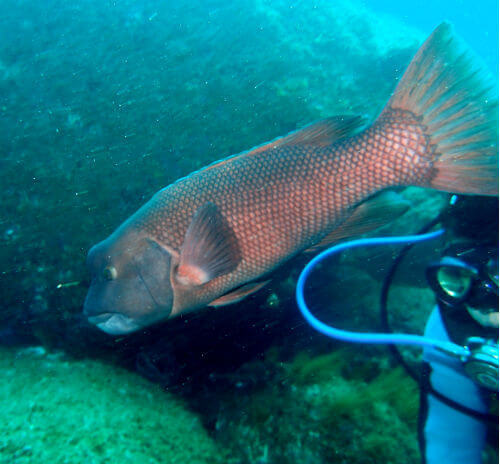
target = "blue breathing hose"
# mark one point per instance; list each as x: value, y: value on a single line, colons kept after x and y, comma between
x: 371, y: 338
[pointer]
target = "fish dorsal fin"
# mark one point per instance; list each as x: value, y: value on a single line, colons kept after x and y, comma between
x: 238, y: 294
x: 210, y: 248
x: 370, y: 215
x: 320, y: 133
x: 326, y: 131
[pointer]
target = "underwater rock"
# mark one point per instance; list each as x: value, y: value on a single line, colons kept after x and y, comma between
x: 66, y: 411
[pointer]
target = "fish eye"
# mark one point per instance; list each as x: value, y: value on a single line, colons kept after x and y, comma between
x: 109, y: 273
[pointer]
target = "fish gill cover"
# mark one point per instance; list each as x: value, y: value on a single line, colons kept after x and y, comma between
x: 104, y: 103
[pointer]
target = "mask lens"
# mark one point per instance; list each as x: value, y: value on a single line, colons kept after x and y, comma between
x: 454, y: 281
x: 492, y: 268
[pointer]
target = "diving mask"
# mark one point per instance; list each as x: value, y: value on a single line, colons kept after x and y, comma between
x: 468, y: 277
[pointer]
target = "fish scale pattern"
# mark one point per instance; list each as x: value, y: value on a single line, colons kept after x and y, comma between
x: 287, y: 198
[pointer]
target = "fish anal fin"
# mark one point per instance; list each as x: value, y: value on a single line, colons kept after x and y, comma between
x: 372, y: 214
x: 210, y: 248
x: 238, y: 294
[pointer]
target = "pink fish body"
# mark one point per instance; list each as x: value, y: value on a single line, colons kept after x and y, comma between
x: 212, y: 237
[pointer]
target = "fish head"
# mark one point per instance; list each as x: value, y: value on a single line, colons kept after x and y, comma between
x: 130, y: 287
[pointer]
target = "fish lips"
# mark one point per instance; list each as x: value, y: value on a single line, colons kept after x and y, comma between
x: 114, y: 324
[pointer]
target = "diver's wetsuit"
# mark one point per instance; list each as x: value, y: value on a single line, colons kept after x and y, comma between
x: 446, y: 434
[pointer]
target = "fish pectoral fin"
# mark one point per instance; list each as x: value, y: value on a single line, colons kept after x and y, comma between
x: 210, y: 248
x: 238, y: 294
x: 372, y: 214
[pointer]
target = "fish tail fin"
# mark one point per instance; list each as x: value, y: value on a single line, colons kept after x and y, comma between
x: 456, y: 109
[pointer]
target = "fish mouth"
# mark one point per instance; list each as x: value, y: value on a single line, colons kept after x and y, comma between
x: 97, y: 319
x: 114, y: 324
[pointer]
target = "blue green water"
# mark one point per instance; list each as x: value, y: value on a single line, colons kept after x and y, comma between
x: 103, y: 103
x: 476, y: 22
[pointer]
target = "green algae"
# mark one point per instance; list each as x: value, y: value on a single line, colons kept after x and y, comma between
x: 68, y: 411
x: 379, y: 415
x: 324, y: 410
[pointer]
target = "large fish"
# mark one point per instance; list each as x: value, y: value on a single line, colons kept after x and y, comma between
x: 212, y: 237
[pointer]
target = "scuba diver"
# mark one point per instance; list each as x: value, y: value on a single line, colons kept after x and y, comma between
x: 460, y: 369
x: 465, y: 284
